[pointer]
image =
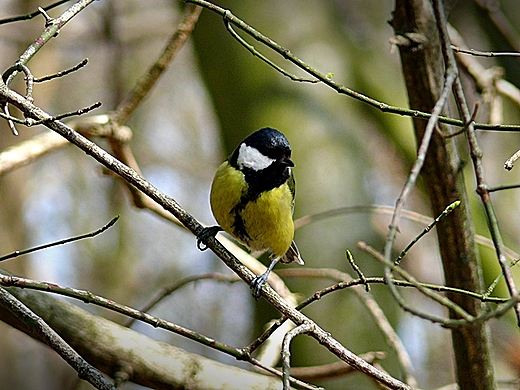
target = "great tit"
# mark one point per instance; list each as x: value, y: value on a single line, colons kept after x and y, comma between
x: 252, y: 199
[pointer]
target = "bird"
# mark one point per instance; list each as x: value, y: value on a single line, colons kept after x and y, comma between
x: 252, y: 199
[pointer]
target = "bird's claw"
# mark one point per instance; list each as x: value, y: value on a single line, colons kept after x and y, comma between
x: 206, y: 233
x: 257, y: 284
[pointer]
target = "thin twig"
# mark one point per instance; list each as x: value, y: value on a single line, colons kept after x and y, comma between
x: 447, y: 323
x: 345, y: 281
x: 168, y: 290
x: 29, y: 78
x: 486, y: 79
x: 426, y: 230
x: 81, y: 111
x: 370, y: 303
x: 511, y: 160
x: 333, y: 370
x: 10, y: 122
x: 493, y: 285
x: 356, y: 268
x: 32, y: 14
x: 48, y: 19
x: 29, y: 122
x: 29, y: 82
x: 503, y: 187
x: 463, y: 130
x: 419, y: 162
x: 478, y: 53
x: 410, y: 183
x: 62, y: 73
x: 51, y: 31
x: 256, y: 53
x: 10, y: 118
x: 62, y: 242
x: 409, y: 278
x: 273, y: 371
x: 382, y: 322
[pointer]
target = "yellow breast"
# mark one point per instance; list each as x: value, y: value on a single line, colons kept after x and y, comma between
x: 267, y: 220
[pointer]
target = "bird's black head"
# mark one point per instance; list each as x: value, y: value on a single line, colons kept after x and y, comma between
x: 270, y: 143
x: 265, y: 159
x: 262, y: 148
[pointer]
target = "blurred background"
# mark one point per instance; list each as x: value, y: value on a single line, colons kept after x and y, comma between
x: 212, y: 96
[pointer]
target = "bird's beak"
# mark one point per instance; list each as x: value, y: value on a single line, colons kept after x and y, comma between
x: 287, y: 161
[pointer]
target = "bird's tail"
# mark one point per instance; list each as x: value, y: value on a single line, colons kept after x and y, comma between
x: 292, y: 255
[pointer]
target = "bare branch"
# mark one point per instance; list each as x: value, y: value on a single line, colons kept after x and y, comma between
x: 256, y: 53
x: 114, y: 348
x: 50, y: 32
x: 328, y: 80
x: 345, y: 282
x: 409, y: 278
x: 33, y: 14
x: 168, y: 290
x: 62, y: 73
x: 427, y: 229
x: 447, y: 323
x: 477, y: 53
x: 333, y: 370
x: 62, y: 242
x: 286, y: 351
x: 143, y: 86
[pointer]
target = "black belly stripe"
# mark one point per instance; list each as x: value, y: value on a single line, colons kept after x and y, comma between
x: 239, y: 227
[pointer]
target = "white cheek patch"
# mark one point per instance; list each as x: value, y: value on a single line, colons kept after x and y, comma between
x: 249, y: 157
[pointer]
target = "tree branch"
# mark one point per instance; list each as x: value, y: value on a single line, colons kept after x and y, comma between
x: 326, y: 79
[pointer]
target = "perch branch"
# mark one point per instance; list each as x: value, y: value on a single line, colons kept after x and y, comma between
x: 195, y: 227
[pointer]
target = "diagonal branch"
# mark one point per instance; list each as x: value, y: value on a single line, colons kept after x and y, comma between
x: 51, y: 31
x: 169, y: 204
x: 143, y: 86
x: 51, y: 338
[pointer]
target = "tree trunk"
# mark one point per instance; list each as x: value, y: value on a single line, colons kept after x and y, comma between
x: 423, y: 68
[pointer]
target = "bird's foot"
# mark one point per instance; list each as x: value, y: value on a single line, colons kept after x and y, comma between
x: 204, y: 234
x: 257, y: 283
